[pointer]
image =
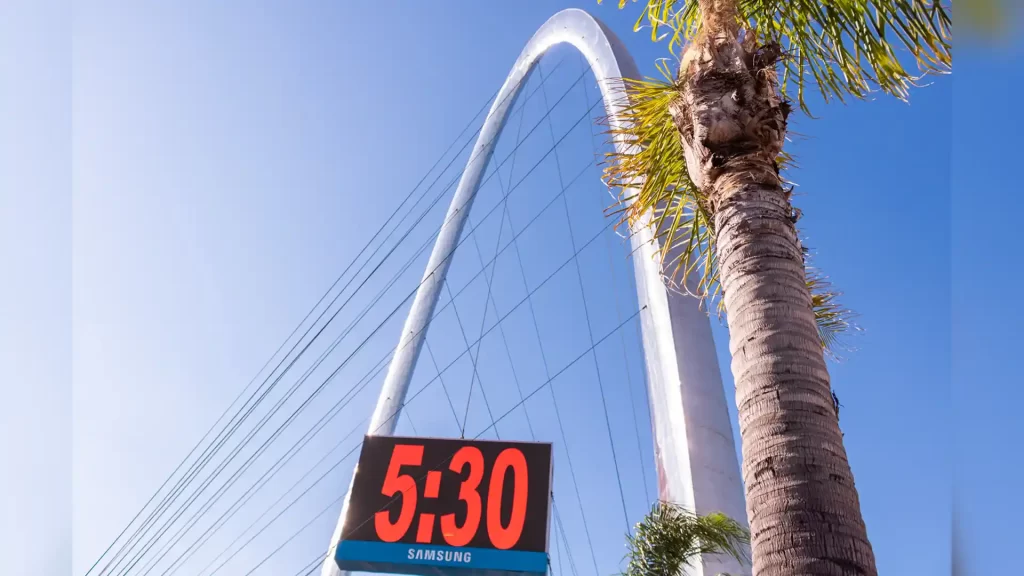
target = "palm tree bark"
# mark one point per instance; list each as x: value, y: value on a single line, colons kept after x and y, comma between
x: 802, y: 506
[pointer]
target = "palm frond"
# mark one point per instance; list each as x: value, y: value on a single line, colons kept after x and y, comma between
x: 654, y: 189
x: 844, y: 47
x: 833, y: 320
x: 669, y: 537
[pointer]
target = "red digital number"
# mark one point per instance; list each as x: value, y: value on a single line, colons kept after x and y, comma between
x: 502, y: 537
x: 505, y: 537
x: 468, y: 493
x: 403, y: 455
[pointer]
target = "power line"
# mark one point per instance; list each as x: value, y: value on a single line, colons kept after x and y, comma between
x: 304, y: 404
x: 469, y: 348
x: 309, y: 370
x: 590, y: 329
x: 450, y: 364
x: 274, y: 410
x: 554, y: 400
x: 565, y: 539
x: 293, y: 536
x: 295, y: 330
x: 444, y: 388
x: 249, y: 497
x: 546, y: 383
x: 488, y: 301
x: 618, y: 312
x: 277, y: 466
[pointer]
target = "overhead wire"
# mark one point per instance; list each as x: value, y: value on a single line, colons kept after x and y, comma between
x: 271, y: 507
x: 554, y: 400
x: 546, y: 383
x: 475, y: 377
x: 280, y: 498
x: 293, y: 332
x: 296, y: 329
x: 487, y: 298
x: 358, y: 387
x: 565, y: 539
x: 488, y: 331
x: 337, y: 340
x: 311, y: 566
x: 469, y: 348
x: 444, y: 388
x: 618, y: 312
x: 203, y: 487
x: 590, y: 328
x: 488, y: 301
x: 460, y: 244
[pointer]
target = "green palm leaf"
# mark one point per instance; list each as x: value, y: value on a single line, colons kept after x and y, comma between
x: 669, y: 537
x: 833, y: 319
x: 844, y: 47
x: 656, y: 189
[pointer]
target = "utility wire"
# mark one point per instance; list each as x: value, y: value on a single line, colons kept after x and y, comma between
x: 590, y: 329
x: 546, y: 383
x: 241, y: 394
x: 244, y: 441
x: 294, y: 331
x: 444, y: 388
x: 554, y: 400
x: 413, y: 292
x: 488, y: 300
x: 309, y: 371
x: 455, y: 360
x: 469, y: 348
x: 618, y: 312
x: 319, y: 558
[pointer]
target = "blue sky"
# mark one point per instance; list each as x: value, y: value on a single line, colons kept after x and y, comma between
x: 227, y: 163
x: 985, y: 334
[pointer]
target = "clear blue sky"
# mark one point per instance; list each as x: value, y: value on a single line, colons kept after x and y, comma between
x: 228, y: 161
x: 986, y: 335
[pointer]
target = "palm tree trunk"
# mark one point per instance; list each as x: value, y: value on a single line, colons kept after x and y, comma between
x: 802, y: 506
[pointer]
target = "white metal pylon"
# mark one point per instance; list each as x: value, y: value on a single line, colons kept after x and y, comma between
x: 694, y: 449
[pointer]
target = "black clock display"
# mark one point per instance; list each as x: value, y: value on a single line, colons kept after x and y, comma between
x: 451, y: 492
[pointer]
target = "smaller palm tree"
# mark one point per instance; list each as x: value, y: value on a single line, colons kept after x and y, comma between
x: 670, y: 537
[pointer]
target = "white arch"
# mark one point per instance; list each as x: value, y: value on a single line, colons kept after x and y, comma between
x: 694, y: 447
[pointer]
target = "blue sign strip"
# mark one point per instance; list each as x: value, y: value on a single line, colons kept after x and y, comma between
x: 353, y: 552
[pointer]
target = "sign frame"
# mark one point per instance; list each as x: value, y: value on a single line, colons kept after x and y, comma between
x: 362, y: 548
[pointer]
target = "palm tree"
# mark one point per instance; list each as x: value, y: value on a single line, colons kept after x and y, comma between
x: 707, y: 165
x: 669, y: 538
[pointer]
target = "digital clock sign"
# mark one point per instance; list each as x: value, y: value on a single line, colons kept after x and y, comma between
x: 444, y: 506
